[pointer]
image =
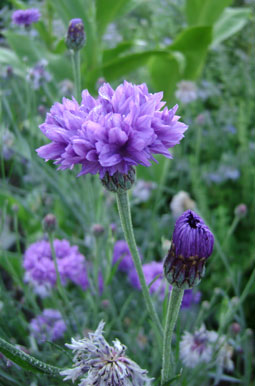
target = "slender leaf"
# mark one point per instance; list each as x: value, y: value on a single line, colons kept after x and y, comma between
x: 231, y: 21
x: 204, y: 12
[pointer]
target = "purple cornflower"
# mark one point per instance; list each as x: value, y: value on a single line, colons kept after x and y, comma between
x: 192, y: 244
x: 40, y: 268
x: 75, y: 35
x: 120, y: 129
x: 151, y: 271
x: 26, y: 16
x: 122, y: 253
x: 49, y: 325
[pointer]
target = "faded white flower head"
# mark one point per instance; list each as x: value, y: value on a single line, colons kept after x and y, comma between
x: 186, y: 91
x: 100, y: 364
x: 180, y: 203
x: 206, y: 346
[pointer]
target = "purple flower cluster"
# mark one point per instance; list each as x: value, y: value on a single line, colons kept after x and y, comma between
x: 26, y: 16
x: 40, y: 268
x: 151, y: 271
x: 122, y: 255
x: 120, y: 129
x: 48, y: 326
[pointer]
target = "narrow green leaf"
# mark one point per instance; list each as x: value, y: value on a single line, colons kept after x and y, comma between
x: 27, y: 362
x: 204, y: 12
x: 193, y: 43
x: 231, y: 21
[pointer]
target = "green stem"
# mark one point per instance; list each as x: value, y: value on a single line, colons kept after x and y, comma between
x: 26, y: 361
x: 126, y: 222
x: 174, y: 304
x: 76, y: 73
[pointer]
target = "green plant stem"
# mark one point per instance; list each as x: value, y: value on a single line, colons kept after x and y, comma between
x: 76, y: 73
x: 173, y: 309
x: 126, y: 222
x: 26, y: 361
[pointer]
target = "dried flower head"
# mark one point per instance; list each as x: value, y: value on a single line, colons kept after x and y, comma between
x: 206, y: 346
x: 186, y: 91
x: 120, y: 129
x: 180, y: 203
x: 192, y: 244
x: 40, y: 268
x: 100, y: 364
x: 49, y: 325
x: 26, y: 16
x: 75, y: 39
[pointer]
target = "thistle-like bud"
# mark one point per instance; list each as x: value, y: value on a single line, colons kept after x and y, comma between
x: 192, y: 244
x: 75, y: 39
x: 119, y: 182
x: 49, y: 223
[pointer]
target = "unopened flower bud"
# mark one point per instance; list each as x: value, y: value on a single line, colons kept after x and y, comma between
x: 241, y: 210
x: 97, y: 230
x: 119, y: 182
x: 49, y: 223
x: 75, y: 39
x: 235, y: 328
x: 191, y: 246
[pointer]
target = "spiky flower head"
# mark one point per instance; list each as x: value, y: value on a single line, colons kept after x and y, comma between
x: 26, y: 16
x: 75, y: 38
x: 192, y: 244
x: 205, y: 346
x: 111, y: 134
x: 100, y: 364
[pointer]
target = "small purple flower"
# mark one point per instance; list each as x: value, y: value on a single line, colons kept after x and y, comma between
x: 120, y: 129
x: 75, y: 35
x: 122, y: 253
x: 40, y: 269
x: 192, y: 244
x: 26, y: 17
x: 48, y: 326
x: 151, y: 271
x: 38, y: 75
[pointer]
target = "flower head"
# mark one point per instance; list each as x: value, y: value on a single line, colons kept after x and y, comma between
x: 75, y: 35
x: 192, y: 244
x: 26, y: 17
x: 40, y: 268
x: 186, y: 91
x: 120, y: 129
x: 205, y: 346
x: 49, y: 325
x: 100, y: 364
x: 122, y: 255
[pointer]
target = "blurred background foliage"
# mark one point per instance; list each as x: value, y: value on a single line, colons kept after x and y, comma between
x: 160, y: 42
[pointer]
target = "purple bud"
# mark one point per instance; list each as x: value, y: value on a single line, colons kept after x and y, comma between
x: 241, y: 210
x: 98, y: 230
x: 75, y: 39
x: 49, y: 223
x: 192, y: 244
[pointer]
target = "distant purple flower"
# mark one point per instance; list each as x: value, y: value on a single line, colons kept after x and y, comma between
x: 192, y: 244
x: 40, y: 269
x: 26, y: 16
x: 153, y: 269
x: 122, y: 253
x: 38, y: 75
x: 112, y: 133
x: 49, y: 325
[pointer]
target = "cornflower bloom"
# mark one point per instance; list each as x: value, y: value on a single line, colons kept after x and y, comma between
x: 100, y: 364
x: 49, y: 325
x: 26, y: 16
x: 40, y: 268
x: 111, y: 134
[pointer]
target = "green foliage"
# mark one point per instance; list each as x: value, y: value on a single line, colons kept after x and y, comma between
x: 205, y: 12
